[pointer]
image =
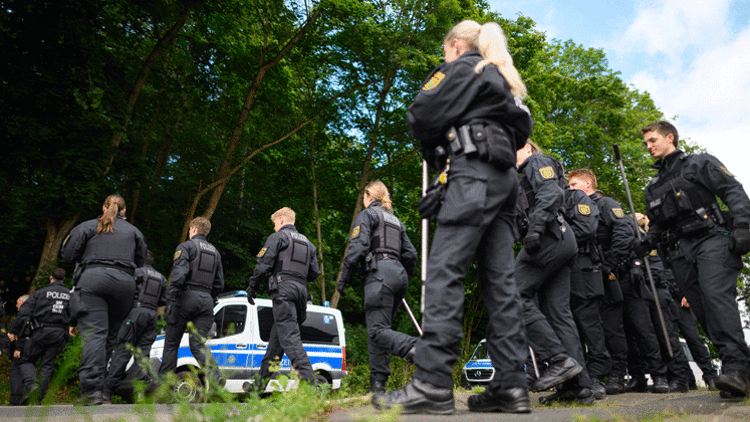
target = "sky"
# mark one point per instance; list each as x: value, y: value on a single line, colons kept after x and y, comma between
x: 692, y: 56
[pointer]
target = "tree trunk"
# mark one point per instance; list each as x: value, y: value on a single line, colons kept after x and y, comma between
x: 317, y: 219
x: 56, y: 232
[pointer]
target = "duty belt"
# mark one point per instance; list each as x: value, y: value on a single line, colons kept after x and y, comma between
x: 386, y: 255
x: 128, y: 270
x: 139, y: 304
x: 460, y: 141
x: 198, y: 288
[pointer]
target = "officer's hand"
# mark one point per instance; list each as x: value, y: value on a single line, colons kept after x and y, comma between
x: 532, y: 243
x: 642, y: 247
x: 685, y: 303
x: 73, y: 331
x: 17, y: 354
x: 340, y: 287
x: 251, y: 294
x: 741, y: 239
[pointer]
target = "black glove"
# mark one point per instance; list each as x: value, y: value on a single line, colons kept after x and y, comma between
x: 340, y: 287
x: 251, y: 294
x: 642, y: 247
x: 740, y: 239
x: 532, y: 243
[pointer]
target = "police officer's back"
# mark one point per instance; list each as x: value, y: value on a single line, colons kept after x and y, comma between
x: 139, y: 329
x: 47, y: 313
x: 197, y: 279
x: 290, y: 259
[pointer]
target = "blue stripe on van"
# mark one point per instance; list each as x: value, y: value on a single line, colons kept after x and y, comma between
x: 240, y: 356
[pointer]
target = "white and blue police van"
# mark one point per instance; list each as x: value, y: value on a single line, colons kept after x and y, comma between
x: 240, y: 338
x: 478, y: 370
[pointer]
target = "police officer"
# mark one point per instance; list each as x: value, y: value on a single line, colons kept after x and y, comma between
x: 624, y: 305
x: 139, y: 329
x: 197, y: 280
x: 107, y: 250
x: 543, y: 273
x: 379, y: 240
x: 470, y: 107
x: 21, y: 376
x: 586, y: 287
x: 682, y: 206
x: 290, y: 259
x: 47, y: 313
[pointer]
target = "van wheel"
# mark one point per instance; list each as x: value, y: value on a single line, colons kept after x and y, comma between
x: 188, y: 387
x: 465, y: 382
x: 321, y: 378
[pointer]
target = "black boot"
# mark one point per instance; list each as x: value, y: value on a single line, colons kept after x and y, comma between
x: 511, y: 400
x: 661, y: 386
x: 417, y: 397
x: 637, y: 385
x: 678, y: 386
x: 583, y: 396
x: 615, y: 385
x: 90, y: 399
x: 711, y: 384
x: 736, y: 383
x: 598, y: 388
x: 563, y: 368
x: 377, y: 386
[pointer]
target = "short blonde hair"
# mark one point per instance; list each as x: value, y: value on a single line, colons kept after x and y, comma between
x: 642, y: 221
x: 284, y: 212
x: 202, y: 224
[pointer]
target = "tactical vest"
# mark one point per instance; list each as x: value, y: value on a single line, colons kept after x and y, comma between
x: 55, y: 306
x: 117, y: 245
x: 387, y: 238
x: 203, y: 266
x: 681, y: 205
x: 294, y: 260
x: 150, y: 288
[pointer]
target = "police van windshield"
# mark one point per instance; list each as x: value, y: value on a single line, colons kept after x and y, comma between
x: 318, y: 328
x: 480, y: 352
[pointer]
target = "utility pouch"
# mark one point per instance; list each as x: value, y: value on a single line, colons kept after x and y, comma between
x: 371, y: 264
x: 77, y: 273
x: 465, y: 134
x: 429, y: 205
x: 453, y: 141
x: 273, y: 283
x: 501, y: 154
x: 612, y: 290
x: 34, y: 324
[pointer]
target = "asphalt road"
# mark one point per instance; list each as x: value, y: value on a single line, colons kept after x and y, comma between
x: 695, y: 406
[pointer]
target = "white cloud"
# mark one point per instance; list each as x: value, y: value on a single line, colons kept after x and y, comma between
x: 672, y: 26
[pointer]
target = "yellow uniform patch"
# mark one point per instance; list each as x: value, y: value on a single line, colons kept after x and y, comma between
x: 618, y: 212
x: 547, y: 172
x: 434, y: 81
x: 355, y: 232
x: 584, y: 209
x: 262, y: 252
x: 653, y: 252
x: 724, y: 169
x: 177, y: 254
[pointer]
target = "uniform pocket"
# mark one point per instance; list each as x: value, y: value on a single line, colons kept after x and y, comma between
x: 464, y: 201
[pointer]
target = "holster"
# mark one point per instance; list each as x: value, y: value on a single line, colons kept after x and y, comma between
x: 612, y: 290
x: 77, y: 271
x: 429, y: 205
x: 273, y: 282
x: 490, y: 143
x: 371, y: 264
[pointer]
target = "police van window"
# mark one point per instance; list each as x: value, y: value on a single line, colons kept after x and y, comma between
x: 318, y: 328
x: 230, y: 320
x: 481, y: 352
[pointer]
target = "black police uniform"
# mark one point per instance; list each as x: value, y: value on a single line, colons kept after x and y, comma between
x: 477, y: 216
x: 197, y: 279
x: 677, y: 365
x: 139, y: 328
x: 21, y: 376
x: 586, y: 284
x: 687, y: 324
x: 379, y: 238
x: 681, y: 200
x: 543, y: 274
x: 47, y: 313
x: 290, y: 258
x: 625, y: 309
x: 105, y: 290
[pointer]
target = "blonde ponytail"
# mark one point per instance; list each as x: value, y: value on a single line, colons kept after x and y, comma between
x: 378, y: 192
x: 113, y: 205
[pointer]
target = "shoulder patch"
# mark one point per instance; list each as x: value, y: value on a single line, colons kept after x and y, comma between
x: 652, y: 253
x: 618, y: 212
x: 177, y: 254
x: 584, y: 209
x: 262, y: 252
x: 434, y: 81
x: 727, y: 172
x: 355, y: 232
x: 547, y: 172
